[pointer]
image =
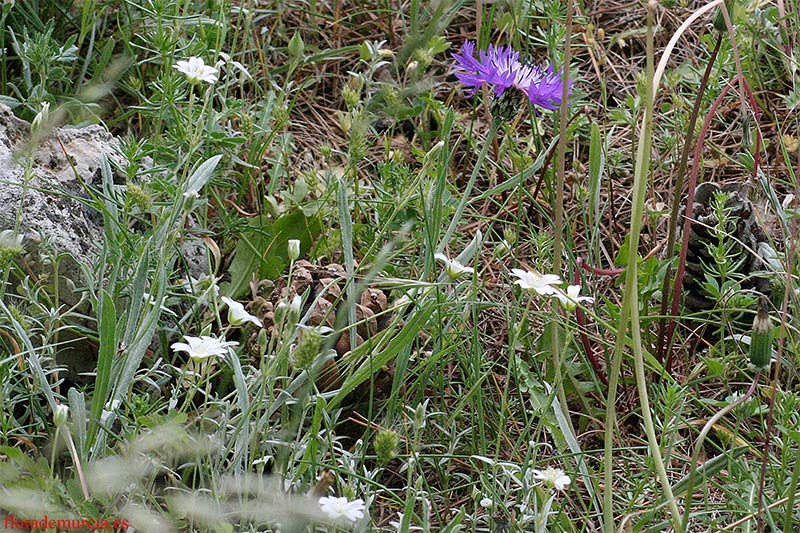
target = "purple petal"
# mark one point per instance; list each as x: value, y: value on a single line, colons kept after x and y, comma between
x: 545, y: 91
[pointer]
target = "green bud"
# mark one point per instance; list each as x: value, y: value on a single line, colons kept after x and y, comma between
x: 139, y: 197
x: 307, y: 350
x: 761, y: 338
x: 296, y: 46
x: 262, y: 342
x: 385, y: 444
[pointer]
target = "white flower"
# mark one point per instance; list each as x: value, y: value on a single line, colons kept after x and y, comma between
x: 42, y: 117
x: 453, y: 267
x: 201, y: 348
x: 196, y: 70
x: 570, y: 299
x: 9, y: 240
x: 553, y: 477
x: 237, y: 315
x: 533, y: 281
x: 336, y: 508
x: 225, y: 59
x: 486, y: 502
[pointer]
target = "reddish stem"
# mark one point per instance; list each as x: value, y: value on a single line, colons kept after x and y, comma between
x: 687, y: 222
x: 598, y: 370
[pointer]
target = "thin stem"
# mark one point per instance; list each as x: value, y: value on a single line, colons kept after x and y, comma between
x: 630, y: 310
x: 676, y: 196
x: 631, y: 286
x: 558, y: 219
x: 698, y: 445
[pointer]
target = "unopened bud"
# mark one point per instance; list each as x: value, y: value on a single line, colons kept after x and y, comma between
x: 294, y: 310
x: 296, y: 45
x: 60, y: 414
x: 293, y: 249
x: 761, y: 337
x: 307, y: 350
x: 386, y: 442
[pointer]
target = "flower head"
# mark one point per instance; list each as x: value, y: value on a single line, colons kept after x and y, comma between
x: 196, y: 70
x: 453, y: 267
x: 533, y: 281
x: 570, y: 298
x: 553, y: 477
x: 237, y: 315
x: 203, y: 347
x: 336, y: 508
x: 501, y: 67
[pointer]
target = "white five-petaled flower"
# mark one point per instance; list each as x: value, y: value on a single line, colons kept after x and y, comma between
x: 237, y: 315
x: 336, y: 508
x: 203, y: 347
x: 533, y: 281
x: 570, y: 298
x: 553, y: 477
x: 453, y: 267
x: 196, y: 70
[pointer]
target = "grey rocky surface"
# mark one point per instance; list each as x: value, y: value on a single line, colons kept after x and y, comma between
x: 60, y: 163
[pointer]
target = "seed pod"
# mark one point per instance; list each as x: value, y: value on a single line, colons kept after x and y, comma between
x: 761, y: 338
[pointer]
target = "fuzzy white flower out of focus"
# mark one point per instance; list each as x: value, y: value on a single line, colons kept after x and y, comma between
x: 237, y: 315
x: 454, y: 268
x: 553, y: 477
x: 571, y: 297
x: 533, y: 281
x: 10, y: 240
x: 196, y: 70
x: 203, y: 347
x: 336, y: 508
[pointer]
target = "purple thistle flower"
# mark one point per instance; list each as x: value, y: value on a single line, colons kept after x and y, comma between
x: 502, y: 68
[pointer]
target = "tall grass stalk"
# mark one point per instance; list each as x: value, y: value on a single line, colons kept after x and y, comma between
x: 630, y: 309
x: 559, y: 204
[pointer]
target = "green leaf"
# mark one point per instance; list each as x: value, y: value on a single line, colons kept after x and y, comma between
x: 201, y: 176
x: 261, y: 250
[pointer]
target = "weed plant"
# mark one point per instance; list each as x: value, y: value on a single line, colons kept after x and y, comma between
x: 438, y: 258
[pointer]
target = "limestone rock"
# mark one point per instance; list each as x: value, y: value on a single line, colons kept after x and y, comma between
x: 59, y: 165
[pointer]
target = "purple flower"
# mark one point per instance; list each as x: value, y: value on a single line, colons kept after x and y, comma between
x: 502, y: 68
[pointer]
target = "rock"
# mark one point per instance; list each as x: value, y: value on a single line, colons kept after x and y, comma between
x: 48, y: 213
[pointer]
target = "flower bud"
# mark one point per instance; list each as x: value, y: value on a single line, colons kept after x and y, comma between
x: 296, y: 46
x: 761, y: 338
x: 60, y: 414
x: 294, y: 310
x: 385, y: 444
x: 41, y: 119
x: 293, y: 249
x: 307, y: 350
